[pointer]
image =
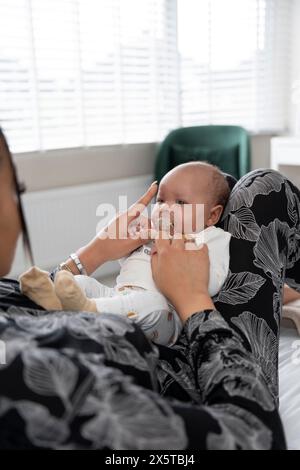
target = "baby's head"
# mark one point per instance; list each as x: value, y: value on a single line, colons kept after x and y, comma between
x: 192, y: 196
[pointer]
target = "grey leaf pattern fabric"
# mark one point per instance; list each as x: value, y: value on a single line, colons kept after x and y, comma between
x: 277, y: 306
x: 76, y: 380
x: 252, y: 433
x: 242, y: 224
x: 50, y: 374
x: 256, y: 183
x: 42, y: 427
x: 263, y: 343
x: 239, y: 288
x: 6, y: 290
x: 268, y: 254
x: 228, y: 364
x: 119, y: 418
x: 293, y: 204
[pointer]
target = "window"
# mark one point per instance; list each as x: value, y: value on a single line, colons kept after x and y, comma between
x: 87, y: 72
x: 235, y: 62
x: 79, y: 73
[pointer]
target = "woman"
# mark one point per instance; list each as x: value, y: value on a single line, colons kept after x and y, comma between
x: 73, y: 381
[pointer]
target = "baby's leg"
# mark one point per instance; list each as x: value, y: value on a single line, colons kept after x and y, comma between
x: 37, y: 285
x: 70, y: 294
x: 149, y: 310
x: 93, y: 288
x: 77, y: 292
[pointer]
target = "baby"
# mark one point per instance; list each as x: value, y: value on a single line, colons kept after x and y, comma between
x: 190, y: 201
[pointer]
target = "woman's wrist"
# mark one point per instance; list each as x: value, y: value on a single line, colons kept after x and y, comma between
x: 70, y: 265
x: 87, y: 258
x: 91, y: 256
x: 197, y: 303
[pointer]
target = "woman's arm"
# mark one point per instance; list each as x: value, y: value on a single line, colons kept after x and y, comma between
x: 229, y: 379
x: 113, y: 242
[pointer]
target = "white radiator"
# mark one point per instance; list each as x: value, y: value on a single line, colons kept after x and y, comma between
x: 64, y: 219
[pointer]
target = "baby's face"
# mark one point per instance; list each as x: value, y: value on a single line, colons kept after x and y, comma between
x: 184, y: 201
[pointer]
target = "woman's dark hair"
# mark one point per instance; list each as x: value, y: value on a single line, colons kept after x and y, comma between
x: 19, y: 190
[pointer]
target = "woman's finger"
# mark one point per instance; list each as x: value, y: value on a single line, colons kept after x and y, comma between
x: 153, y: 250
x: 204, y: 248
x: 149, y: 194
x: 137, y: 208
x: 154, y: 261
x: 162, y: 240
x: 146, y: 234
x: 178, y: 243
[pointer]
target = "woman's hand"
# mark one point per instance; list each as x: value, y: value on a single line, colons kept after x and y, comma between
x: 128, y: 230
x: 182, y: 275
x: 115, y: 241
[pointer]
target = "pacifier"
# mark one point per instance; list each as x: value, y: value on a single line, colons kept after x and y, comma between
x: 163, y: 223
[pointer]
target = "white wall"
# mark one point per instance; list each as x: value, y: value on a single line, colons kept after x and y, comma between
x: 295, y: 63
x: 72, y: 167
x: 260, y: 151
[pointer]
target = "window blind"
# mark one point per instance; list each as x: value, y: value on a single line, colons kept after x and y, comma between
x: 234, y: 62
x: 87, y: 72
x: 79, y: 73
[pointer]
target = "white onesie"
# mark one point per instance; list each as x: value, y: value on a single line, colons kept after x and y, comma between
x: 137, y: 297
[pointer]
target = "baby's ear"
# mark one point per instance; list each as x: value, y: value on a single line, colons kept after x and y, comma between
x: 215, y: 215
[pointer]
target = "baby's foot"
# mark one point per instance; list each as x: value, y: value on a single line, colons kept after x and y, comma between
x: 37, y: 285
x: 71, y: 295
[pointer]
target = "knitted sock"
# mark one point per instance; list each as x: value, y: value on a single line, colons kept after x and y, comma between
x: 37, y: 285
x: 71, y: 295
